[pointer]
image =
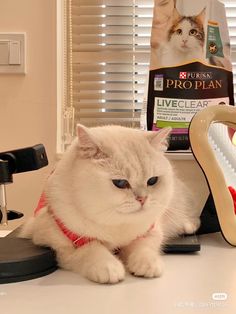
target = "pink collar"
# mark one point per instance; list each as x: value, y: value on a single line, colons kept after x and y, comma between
x: 76, y: 239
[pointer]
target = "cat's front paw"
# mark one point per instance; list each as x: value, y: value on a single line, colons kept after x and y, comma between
x: 110, y: 270
x: 145, y: 264
x: 191, y: 226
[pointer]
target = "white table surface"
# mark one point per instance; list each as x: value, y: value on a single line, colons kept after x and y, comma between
x: 186, y: 286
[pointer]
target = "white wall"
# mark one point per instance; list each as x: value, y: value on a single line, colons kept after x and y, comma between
x: 28, y: 102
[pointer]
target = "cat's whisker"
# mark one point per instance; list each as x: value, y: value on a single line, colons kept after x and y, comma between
x: 172, y: 219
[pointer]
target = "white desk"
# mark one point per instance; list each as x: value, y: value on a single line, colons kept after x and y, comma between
x: 186, y: 287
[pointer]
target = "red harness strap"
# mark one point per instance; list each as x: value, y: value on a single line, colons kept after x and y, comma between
x: 76, y: 239
x: 41, y: 203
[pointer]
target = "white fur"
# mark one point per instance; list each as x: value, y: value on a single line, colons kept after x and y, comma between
x: 81, y: 193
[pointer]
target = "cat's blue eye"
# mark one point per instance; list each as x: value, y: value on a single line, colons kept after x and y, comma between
x: 152, y: 181
x: 193, y: 32
x: 179, y: 31
x: 121, y: 183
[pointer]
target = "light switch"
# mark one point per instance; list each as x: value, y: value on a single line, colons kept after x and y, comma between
x: 14, y: 52
x: 4, y: 52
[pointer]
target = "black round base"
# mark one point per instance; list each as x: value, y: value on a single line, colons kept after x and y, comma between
x: 21, y: 260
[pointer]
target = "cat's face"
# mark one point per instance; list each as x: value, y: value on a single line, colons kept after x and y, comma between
x: 121, y: 174
x: 187, y: 33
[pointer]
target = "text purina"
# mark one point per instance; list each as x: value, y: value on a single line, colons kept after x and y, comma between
x: 199, y: 75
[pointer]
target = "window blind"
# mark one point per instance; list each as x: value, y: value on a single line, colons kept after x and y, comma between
x: 107, y: 52
x: 109, y: 57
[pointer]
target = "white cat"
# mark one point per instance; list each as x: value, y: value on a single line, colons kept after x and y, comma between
x: 113, y: 188
x: 185, y: 41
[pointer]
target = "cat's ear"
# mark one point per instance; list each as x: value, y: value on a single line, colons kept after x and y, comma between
x: 176, y: 14
x: 88, y: 148
x: 200, y: 18
x: 84, y: 137
x: 160, y: 140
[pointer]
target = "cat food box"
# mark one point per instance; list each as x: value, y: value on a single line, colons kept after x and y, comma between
x: 190, y: 66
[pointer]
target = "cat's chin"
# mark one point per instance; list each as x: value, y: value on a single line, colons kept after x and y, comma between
x: 184, y: 48
x: 132, y: 211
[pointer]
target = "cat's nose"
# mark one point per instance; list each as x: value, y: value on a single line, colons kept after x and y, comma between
x: 141, y: 199
x: 185, y: 41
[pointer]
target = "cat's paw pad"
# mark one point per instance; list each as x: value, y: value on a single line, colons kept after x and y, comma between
x: 106, y: 271
x: 191, y: 226
x: 145, y: 264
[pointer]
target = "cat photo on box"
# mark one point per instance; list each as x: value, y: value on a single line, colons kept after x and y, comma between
x: 179, y: 38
